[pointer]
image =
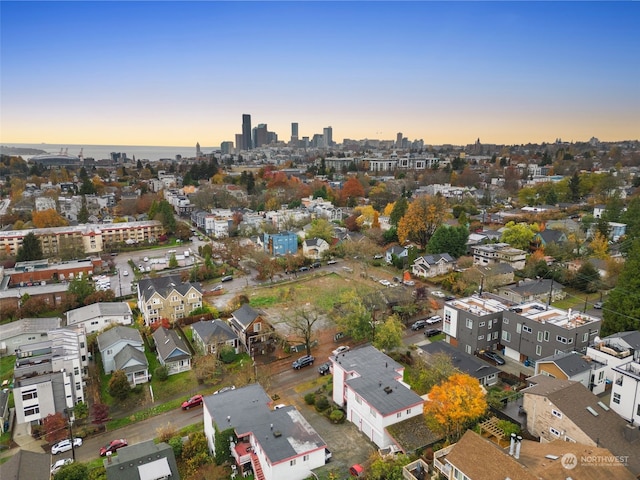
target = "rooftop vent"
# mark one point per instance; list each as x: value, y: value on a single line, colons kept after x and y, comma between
x: 388, y: 389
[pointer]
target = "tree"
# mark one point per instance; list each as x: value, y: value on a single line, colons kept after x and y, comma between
x: 83, y: 213
x: 454, y: 404
x: 31, y: 249
x: 321, y: 228
x: 621, y: 309
x: 100, y: 296
x: 519, y: 235
x: 574, y: 187
x: 427, y: 375
x: 48, y: 218
x: 424, y: 215
x: 353, y: 316
x: 387, y: 468
x: 302, y: 326
x: 73, y: 471
x: 389, y: 334
x: 399, y: 209
x: 55, y: 427
x: 173, y: 261
x: 599, y: 246
x: 207, y: 368
x: 352, y: 189
x: 451, y: 240
x: 587, y: 278
x: 119, y: 385
x: 81, y: 287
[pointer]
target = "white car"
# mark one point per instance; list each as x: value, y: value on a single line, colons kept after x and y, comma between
x: 65, y: 445
x: 386, y: 283
x: 279, y: 406
x: 341, y: 349
x: 146, y: 259
x: 125, y: 273
x: 438, y: 293
x: 59, y: 464
x: 433, y: 320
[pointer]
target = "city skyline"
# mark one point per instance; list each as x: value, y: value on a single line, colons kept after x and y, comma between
x: 173, y: 73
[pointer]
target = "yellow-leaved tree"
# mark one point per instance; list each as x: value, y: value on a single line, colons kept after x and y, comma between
x: 454, y: 404
x: 599, y: 246
x: 424, y: 215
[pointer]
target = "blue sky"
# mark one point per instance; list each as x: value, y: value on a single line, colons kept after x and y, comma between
x: 176, y: 73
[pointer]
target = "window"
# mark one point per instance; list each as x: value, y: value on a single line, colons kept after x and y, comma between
x: 546, y: 336
x: 561, y: 339
x: 480, y: 337
x: 518, y: 327
x: 257, y: 327
x: 495, y: 335
x: 292, y: 462
x: 29, y: 394
x: 505, y: 321
x: 399, y: 414
x: 358, y: 400
x: 638, y: 410
x: 569, y: 439
x: 585, y: 337
x: 539, y: 336
x: 570, y: 340
x: 600, y: 376
x: 94, y: 322
x: 616, y: 398
x: 31, y: 410
x: 526, y: 329
x: 305, y: 458
x: 408, y: 411
x: 469, y: 323
x: 482, y: 324
x: 538, y: 350
x: 506, y: 336
x: 467, y: 348
x: 555, y: 432
x: 556, y: 413
x: 372, y: 412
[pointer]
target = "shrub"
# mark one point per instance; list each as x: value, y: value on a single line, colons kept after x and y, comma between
x: 176, y: 444
x: 322, y: 403
x: 337, y: 416
x: 161, y: 373
x: 227, y: 354
x: 310, y: 398
x: 166, y: 432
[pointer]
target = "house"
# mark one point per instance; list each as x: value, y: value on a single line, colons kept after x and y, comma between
x: 173, y: 352
x: 614, y: 350
x: 548, y: 236
x: 23, y: 332
x: 167, y: 297
x: 314, y: 248
x: 568, y: 411
x: 272, y: 444
x: 143, y: 461
x: 428, y: 266
x: 97, y: 316
x: 574, y: 366
x: 282, y: 243
x: 526, y: 460
x: 208, y: 335
x: 533, y: 290
x: 499, y: 253
x: 370, y: 386
x: 395, y: 252
x: 122, y: 348
x: 26, y: 465
x: 252, y: 329
x: 625, y: 391
x: 486, y: 374
x: 496, y: 275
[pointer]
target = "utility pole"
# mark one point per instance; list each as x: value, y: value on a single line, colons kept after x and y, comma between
x: 73, y: 447
x: 550, y: 293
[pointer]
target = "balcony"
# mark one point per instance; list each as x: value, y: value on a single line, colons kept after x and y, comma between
x: 439, y: 460
x: 417, y: 470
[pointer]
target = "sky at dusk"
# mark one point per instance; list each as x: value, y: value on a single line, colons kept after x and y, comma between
x: 177, y: 73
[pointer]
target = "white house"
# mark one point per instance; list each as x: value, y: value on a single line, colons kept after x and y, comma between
x: 273, y: 444
x: 173, y: 352
x: 97, y: 316
x: 111, y: 342
x: 369, y: 384
x: 428, y: 266
x: 314, y: 248
x: 614, y: 350
x: 625, y: 391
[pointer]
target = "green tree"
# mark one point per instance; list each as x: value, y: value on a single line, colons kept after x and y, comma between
x: 73, y: 471
x: 587, y: 278
x: 173, y: 261
x: 31, y: 249
x: 621, y: 309
x: 519, y: 235
x: 321, y: 228
x: 389, y: 334
x: 81, y: 287
x: 451, y: 240
x: 119, y: 385
x: 388, y: 468
x: 83, y: 213
x: 399, y: 209
x: 354, y: 317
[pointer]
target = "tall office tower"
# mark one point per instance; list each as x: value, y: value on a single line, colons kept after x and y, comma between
x: 238, y: 142
x: 226, y: 147
x: 327, y: 133
x: 246, y: 131
x: 399, y: 140
x: 294, y: 134
x: 260, y: 135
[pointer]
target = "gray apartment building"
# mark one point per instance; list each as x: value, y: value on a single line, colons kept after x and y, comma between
x: 522, y: 332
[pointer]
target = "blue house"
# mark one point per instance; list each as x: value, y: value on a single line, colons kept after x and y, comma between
x: 281, y: 243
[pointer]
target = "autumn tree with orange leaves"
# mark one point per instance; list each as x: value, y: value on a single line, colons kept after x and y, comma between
x: 351, y: 190
x: 48, y: 218
x: 424, y: 215
x: 454, y: 404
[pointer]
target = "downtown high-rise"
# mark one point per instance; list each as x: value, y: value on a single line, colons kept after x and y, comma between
x: 246, y: 131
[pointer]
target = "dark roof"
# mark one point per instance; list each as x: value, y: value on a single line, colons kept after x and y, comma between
x: 164, y: 285
x: 170, y: 346
x: 463, y: 361
x: 496, y: 268
x: 630, y: 339
x: 213, y: 331
x: 26, y: 465
x: 247, y: 410
x: 413, y: 434
x: 116, y: 334
x: 571, y: 363
x: 607, y: 429
x: 378, y: 381
x: 435, y: 258
x: 552, y: 236
x: 245, y: 315
x: 130, y: 353
x: 127, y: 464
x: 534, y: 287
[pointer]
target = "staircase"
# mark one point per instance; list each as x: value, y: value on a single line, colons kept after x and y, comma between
x: 257, y: 469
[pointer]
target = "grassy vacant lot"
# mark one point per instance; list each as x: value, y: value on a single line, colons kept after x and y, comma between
x: 6, y: 367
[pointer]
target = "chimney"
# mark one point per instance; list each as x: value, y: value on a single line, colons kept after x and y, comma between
x: 512, y: 444
x: 518, y: 445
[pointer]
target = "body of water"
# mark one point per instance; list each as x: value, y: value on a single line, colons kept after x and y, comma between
x: 100, y: 152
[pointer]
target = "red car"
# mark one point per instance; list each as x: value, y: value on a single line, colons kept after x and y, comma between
x: 113, y: 446
x: 194, y: 401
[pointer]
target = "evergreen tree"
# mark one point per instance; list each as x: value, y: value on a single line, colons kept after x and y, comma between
x: 30, y: 249
x: 399, y: 209
x: 621, y: 310
x: 83, y: 213
x: 574, y: 187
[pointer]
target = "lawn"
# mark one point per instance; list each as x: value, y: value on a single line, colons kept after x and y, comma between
x: 575, y: 300
x: 6, y: 367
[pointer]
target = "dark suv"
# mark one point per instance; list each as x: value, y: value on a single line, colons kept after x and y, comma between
x: 494, y: 357
x: 303, y: 362
x: 420, y: 324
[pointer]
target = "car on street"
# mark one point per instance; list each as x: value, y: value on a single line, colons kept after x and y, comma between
x: 597, y: 305
x: 146, y: 259
x: 448, y: 298
x: 65, y: 445
x: 303, y: 361
x: 418, y: 325
x: 303, y: 269
x: 409, y: 283
x: 315, y: 265
x: 386, y: 283
x: 217, y: 288
x: 438, y: 293
x: 332, y: 262
x: 432, y: 332
x: 226, y: 278
x: 340, y: 349
x: 225, y: 389
x: 113, y: 446
x: 194, y: 401
x: 493, y: 357
x: 59, y: 464
x: 325, y: 368
x: 434, y: 319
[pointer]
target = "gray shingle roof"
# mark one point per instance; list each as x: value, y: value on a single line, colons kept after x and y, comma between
x: 127, y: 354
x: 26, y: 465
x: 164, y: 285
x: 124, y: 466
x: 170, y: 346
x: 213, y: 330
x: 463, y: 361
x: 116, y: 334
x: 29, y: 325
x: 245, y: 315
x: 248, y: 411
x: 100, y: 309
x: 378, y: 381
x: 571, y: 363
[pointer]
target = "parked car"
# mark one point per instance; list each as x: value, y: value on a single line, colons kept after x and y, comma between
x: 432, y: 332
x: 125, y: 273
x: 225, y: 389
x: 226, y: 278
x: 356, y: 470
x: 418, y: 325
x: 315, y: 265
x: 113, y: 446
x: 448, y: 298
x: 386, y: 283
x: 597, y: 305
x: 65, y: 445
x: 409, y: 283
x: 438, y: 293
x: 217, y: 288
x: 304, y: 361
x: 325, y: 368
x: 146, y: 259
x: 340, y: 349
x: 434, y: 319
x: 303, y: 269
x: 493, y: 356
x: 332, y: 262
x: 59, y: 464
x: 194, y: 401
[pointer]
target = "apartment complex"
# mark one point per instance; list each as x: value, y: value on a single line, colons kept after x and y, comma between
x: 499, y: 253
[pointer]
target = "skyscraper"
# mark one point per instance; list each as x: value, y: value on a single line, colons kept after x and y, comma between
x: 328, y: 137
x: 294, y: 134
x: 399, y: 140
x: 246, y: 132
x: 260, y: 135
